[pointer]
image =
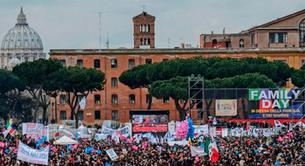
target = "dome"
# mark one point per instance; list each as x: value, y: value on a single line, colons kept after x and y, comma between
x: 21, y: 36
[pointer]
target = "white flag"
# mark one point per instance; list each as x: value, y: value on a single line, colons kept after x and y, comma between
x: 82, y: 103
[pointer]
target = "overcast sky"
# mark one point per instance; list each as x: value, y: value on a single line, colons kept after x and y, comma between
x: 75, y: 23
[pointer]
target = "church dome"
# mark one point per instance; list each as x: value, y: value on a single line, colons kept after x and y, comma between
x: 21, y: 36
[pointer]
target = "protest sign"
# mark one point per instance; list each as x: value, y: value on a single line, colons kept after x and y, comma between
x: 111, y: 153
x: 35, y: 130
x: 27, y: 154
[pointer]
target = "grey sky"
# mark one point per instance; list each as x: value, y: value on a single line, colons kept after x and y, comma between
x: 75, y: 23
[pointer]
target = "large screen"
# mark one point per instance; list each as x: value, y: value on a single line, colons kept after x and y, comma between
x: 149, y: 123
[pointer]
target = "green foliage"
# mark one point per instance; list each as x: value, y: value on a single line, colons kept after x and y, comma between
x: 298, y: 78
x: 8, y: 82
x: 78, y: 80
x: 35, y: 74
x: 177, y: 88
x: 210, y: 68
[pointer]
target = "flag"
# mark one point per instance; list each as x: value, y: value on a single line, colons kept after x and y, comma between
x: 213, y: 152
x: 206, y: 144
x: 82, y: 103
x: 189, y: 142
x: 277, y: 124
x: 9, y: 130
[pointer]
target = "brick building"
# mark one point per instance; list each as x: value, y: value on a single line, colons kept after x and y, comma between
x: 284, y: 32
x: 117, y: 100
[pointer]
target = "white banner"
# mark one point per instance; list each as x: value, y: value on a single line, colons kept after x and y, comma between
x: 202, y: 129
x: 124, y: 130
x: 182, y: 143
x: 226, y: 107
x: 212, y: 131
x: 27, y: 154
x: 197, y: 151
x: 35, y: 130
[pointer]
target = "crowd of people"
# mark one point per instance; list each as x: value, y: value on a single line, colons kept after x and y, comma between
x: 238, y: 151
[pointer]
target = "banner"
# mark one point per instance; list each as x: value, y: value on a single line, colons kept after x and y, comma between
x: 35, y: 130
x: 275, y: 103
x: 226, y: 107
x: 202, y: 129
x: 27, y: 154
x: 109, y: 131
x: 111, y: 153
x: 197, y: 151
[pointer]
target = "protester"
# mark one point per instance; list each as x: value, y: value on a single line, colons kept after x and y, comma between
x: 286, y: 148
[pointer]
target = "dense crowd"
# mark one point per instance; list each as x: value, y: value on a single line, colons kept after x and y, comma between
x: 240, y: 151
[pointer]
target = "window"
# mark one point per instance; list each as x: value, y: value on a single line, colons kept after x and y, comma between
x: 114, y: 82
x: 97, y: 99
x: 97, y: 114
x: 114, y: 114
x: 63, y: 115
x: 141, y: 42
x: 79, y: 63
x: 166, y: 100
x: 132, y: 98
x: 241, y: 43
x: 97, y: 63
x: 114, y: 99
x: 131, y: 63
x: 114, y: 63
x: 148, y: 98
x: 80, y: 115
x: 165, y: 59
x: 302, y: 62
x: 62, y: 61
x: 148, y: 28
x: 148, y: 41
x: 302, y: 33
x: 214, y: 43
x: 278, y: 37
x: 148, y: 61
x: 62, y: 99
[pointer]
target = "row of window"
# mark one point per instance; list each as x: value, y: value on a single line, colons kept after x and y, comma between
x: 113, y: 62
x: 114, y: 99
x: 97, y: 115
x: 144, y: 28
x: 145, y: 41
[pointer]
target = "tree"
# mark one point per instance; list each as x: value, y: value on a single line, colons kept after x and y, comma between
x: 144, y: 76
x: 12, y: 102
x: 177, y: 88
x: 298, y: 78
x: 34, y: 75
x: 78, y: 82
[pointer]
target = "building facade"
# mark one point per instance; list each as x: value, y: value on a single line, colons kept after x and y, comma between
x: 116, y: 101
x: 284, y: 32
x: 20, y: 44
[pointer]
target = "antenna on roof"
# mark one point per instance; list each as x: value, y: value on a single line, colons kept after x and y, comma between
x: 100, y: 30
x: 143, y: 7
x: 107, y: 41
